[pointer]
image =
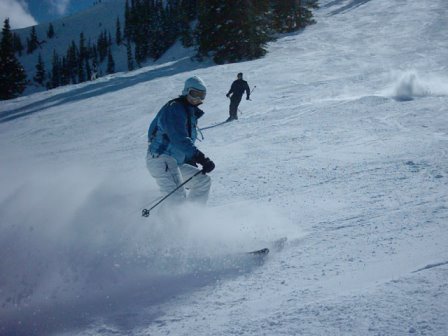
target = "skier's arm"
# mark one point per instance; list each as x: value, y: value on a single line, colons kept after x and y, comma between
x: 153, y: 126
x: 152, y: 129
x: 232, y: 89
x: 247, y: 89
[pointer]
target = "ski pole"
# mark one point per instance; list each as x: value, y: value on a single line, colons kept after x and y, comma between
x: 252, y: 90
x: 241, y: 112
x: 145, y: 212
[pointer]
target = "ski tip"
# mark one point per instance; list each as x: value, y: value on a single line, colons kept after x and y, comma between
x: 263, y: 251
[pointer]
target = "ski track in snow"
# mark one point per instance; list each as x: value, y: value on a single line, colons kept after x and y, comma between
x: 343, y: 150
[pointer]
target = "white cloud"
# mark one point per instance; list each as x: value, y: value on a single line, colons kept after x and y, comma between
x: 17, y: 12
x: 59, y: 6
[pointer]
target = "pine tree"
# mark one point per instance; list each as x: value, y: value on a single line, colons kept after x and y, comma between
x: 189, y: 8
x: 99, y: 47
x: 18, y: 46
x: 140, y: 16
x: 159, y: 29
x: 12, y: 74
x: 82, y: 57
x: 118, y: 37
x: 230, y: 33
x: 109, y: 39
x: 291, y: 15
x: 110, y: 63
x: 305, y: 15
x: 83, y: 52
x: 264, y: 16
x: 312, y: 4
x: 171, y: 18
x: 81, y: 73
x: 72, y: 62
x: 65, y: 72
x: 102, y: 46
x: 94, y: 57
x: 88, y: 69
x: 56, y: 71
x: 147, y: 37
x: 186, y: 34
x: 205, y: 33
x: 40, y: 71
x: 129, y: 55
x: 154, y: 25
x: 187, y: 13
x: 32, y: 42
x: 127, y: 22
x: 50, y: 32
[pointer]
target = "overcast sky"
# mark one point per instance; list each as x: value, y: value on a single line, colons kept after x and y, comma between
x: 24, y: 13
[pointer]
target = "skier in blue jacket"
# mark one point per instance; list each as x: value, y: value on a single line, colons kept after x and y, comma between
x: 172, y: 156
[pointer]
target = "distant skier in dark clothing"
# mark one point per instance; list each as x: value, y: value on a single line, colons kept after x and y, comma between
x: 235, y: 94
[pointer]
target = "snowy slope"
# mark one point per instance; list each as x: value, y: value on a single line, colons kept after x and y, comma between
x: 343, y: 150
x: 91, y: 22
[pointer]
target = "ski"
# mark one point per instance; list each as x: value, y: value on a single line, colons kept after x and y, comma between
x: 276, y: 245
x: 263, y: 251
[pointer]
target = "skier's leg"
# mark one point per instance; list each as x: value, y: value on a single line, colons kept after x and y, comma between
x: 166, y: 172
x: 199, y: 186
x: 233, y: 109
x: 230, y: 110
x: 235, y: 101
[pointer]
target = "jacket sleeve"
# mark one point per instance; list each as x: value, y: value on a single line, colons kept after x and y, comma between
x: 175, y: 127
x: 152, y: 128
x: 247, y: 88
x: 232, y: 89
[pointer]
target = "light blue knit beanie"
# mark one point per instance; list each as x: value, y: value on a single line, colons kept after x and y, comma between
x: 194, y: 83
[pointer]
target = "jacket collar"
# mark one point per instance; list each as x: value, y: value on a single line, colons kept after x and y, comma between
x: 196, y: 110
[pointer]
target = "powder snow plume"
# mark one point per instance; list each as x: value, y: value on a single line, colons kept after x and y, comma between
x: 75, y: 238
x: 411, y: 84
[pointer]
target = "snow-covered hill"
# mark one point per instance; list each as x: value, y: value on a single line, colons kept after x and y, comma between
x: 91, y: 22
x: 343, y: 150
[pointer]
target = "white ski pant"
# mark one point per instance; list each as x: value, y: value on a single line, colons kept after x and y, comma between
x: 169, y: 175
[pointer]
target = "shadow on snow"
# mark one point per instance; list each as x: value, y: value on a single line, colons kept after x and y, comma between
x: 133, y: 304
x: 99, y: 88
x: 350, y: 6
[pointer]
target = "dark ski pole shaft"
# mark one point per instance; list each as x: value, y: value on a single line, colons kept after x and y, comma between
x: 253, y: 89
x: 146, y: 212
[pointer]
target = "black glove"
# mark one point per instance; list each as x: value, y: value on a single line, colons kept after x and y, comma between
x: 208, y: 166
x: 228, y: 95
x: 191, y: 163
x: 205, y: 162
x: 247, y: 98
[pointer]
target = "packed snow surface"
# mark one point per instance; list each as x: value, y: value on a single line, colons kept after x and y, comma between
x: 343, y: 150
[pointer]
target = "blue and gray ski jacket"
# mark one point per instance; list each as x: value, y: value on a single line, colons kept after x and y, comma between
x: 173, y: 130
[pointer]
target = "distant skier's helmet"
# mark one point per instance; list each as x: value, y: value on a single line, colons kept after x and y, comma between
x: 195, y: 87
x: 240, y: 75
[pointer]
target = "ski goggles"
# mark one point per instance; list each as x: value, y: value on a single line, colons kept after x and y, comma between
x: 197, y: 94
